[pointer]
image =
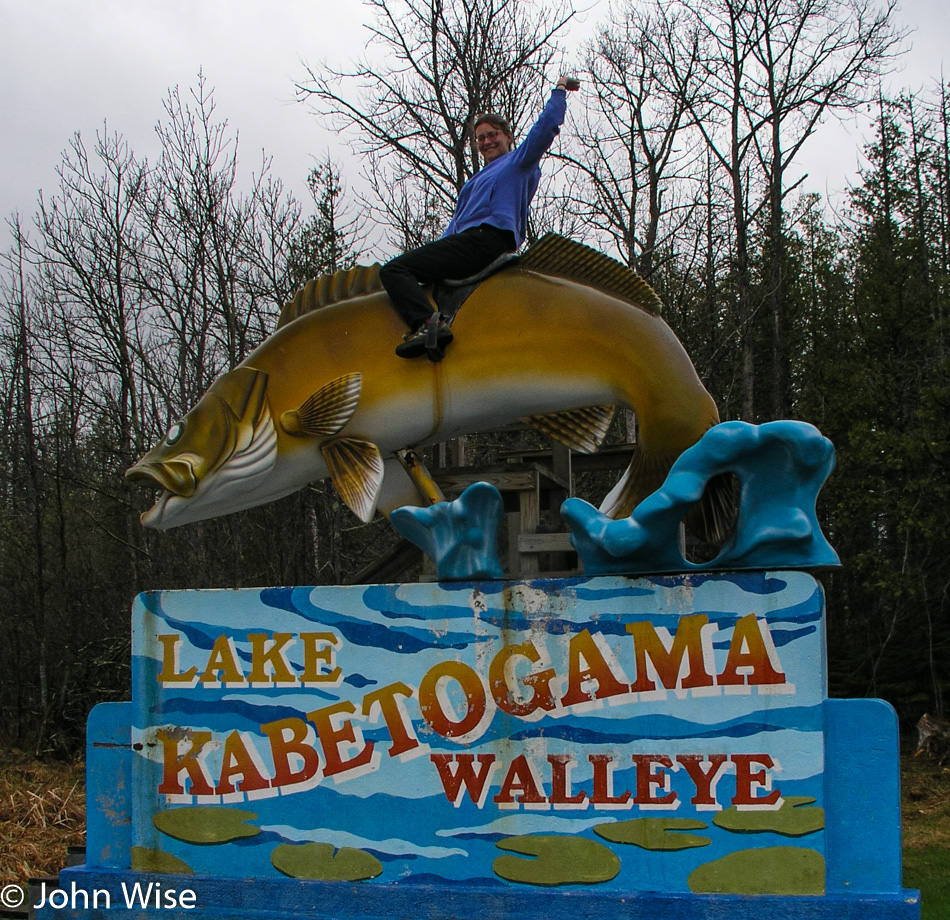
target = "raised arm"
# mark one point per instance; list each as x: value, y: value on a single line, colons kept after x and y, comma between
x: 546, y: 128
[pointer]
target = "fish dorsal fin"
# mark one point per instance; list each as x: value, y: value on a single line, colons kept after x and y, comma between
x: 241, y: 390
x: 356, y: 471
x: 330, y: 289
x: 557, y: 255
x: 582, y: 430
x: 326, y: 411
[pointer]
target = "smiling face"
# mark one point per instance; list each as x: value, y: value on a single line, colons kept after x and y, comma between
x: 493, y: 140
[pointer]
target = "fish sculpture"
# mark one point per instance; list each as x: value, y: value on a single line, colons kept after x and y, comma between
x: 559, y: 339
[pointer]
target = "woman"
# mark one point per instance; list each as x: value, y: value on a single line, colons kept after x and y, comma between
x: 490, y: 219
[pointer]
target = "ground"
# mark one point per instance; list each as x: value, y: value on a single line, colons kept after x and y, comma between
x: 925, y: 811
x: 925, y: 794
x: 42, y: 813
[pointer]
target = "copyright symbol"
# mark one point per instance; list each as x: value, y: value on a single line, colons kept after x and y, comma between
x: 12, y: 896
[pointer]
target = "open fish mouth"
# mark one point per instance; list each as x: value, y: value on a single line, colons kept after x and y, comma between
x: 153, y: 517
x: 176, y: 479
x: 174, y: 476
x: 233, y: 485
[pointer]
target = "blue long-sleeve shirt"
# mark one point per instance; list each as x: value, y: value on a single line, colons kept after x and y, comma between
x: 500, y: 193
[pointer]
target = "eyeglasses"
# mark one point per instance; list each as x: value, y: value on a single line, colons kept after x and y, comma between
x: 487, y: 136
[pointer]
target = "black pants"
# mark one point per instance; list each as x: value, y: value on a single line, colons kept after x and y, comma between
x: 457, y: 256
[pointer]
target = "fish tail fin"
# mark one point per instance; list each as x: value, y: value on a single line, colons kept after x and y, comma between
x: 711, y: 518
x: 644, y: 475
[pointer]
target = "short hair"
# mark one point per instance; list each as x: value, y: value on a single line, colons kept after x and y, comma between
x: 493, y: 119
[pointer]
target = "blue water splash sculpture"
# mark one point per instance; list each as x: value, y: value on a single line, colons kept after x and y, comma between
x: 781, y: 467
x: 461, y: 536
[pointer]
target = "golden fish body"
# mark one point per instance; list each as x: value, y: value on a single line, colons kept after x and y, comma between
x: 325, y: 395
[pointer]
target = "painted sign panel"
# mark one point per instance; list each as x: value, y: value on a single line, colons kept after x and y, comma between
x: 648, y: 734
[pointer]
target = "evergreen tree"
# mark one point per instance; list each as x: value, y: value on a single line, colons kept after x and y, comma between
x: 876, y: 385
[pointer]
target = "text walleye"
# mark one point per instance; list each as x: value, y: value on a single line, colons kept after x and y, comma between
x: 457, y: 703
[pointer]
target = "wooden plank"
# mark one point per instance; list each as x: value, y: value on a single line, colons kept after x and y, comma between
x: 545, y: 543
x: 503, y: 477
x: 504, y: 480
x: 593, y: 463
x: 615, y: 457
x: 513, y: 523
x: 458, y: 451
x: 561, y: 465
x: 530, y: 509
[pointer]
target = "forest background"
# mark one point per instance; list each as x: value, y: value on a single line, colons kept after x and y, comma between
x: 138, y: 280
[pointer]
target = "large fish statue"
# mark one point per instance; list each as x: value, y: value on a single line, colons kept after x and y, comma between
x: 559, y: 339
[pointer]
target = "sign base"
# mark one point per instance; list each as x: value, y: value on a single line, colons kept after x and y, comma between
x: 656, y: 747
x: 260, y: 899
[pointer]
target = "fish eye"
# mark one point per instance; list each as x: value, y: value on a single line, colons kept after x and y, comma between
x: 175, y: 432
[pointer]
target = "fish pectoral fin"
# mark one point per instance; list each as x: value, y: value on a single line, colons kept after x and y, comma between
x: 356, y: 471
x: 326, y: 411
x: 582, y: 430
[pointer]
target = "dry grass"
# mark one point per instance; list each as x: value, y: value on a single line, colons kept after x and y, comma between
x: 42, y: 812
x: 925, y: 809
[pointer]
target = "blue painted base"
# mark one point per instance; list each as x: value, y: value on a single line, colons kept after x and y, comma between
x: 859, y: 788
x: 257, y: 899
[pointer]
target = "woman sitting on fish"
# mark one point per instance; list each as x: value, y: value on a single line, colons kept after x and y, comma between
x: 490, y: 219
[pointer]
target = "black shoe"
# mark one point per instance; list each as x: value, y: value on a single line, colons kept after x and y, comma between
x: 413, y: 343
x: 433, y: 336
x: 438, y: 337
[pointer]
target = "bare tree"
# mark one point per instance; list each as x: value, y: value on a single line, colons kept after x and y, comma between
x: 430, y: 68
x: 217, y: 248
x: 327, y: 240
x: 942, y: 178
x: 88, y: 256
x: 25, y: 405
x: 155, y: 279
x: 140, y: 283
x: 711, y: 46
x: 769, y: 70
x: 633, y: 156
x: 811, y: 57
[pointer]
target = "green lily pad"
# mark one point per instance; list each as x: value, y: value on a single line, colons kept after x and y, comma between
x: 771, y: 870
x: 205, y: 824
x: 655, y: 833
x: 558, y: 861
x: 793, y: 819
x: 325, y: 863
x: 145, y: 859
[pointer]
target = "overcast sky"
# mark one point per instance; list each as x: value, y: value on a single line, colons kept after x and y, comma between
x: 70, y: 65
